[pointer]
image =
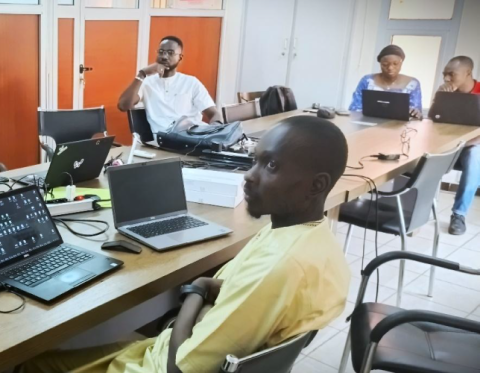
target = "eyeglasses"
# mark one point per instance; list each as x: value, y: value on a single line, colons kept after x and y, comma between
x: 169, y: 52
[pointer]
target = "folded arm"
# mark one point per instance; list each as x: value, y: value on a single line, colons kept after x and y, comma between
x: 193, y: 309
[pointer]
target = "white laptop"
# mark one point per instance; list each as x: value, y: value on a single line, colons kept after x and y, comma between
x: 149, y: 206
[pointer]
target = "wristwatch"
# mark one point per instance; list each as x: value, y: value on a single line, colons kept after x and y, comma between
x: 192, y: 289
x: 142, y: 73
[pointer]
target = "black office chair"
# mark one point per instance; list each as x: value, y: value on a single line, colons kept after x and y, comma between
x: 138, y: 124
x: 70, y: 125
x: 405, y: 209
x: 240, y: 112
x: 278, y: 359
x: 392, y: 339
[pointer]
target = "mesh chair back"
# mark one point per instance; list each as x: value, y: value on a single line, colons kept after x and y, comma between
x: 278, y: 359
x: 138, y: 123
x: 425, y: 181
x: 240, y: 112
x: 249, y: 96
x: 71, y: 125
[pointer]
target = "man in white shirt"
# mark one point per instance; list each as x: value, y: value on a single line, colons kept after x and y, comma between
x: 166, y: 94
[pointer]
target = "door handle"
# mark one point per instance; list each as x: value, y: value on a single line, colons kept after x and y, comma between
x: 285, y: 47
x: 84, y: 69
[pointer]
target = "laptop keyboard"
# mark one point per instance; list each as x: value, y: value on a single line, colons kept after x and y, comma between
x: 42, y: 269
x: 159, y: 228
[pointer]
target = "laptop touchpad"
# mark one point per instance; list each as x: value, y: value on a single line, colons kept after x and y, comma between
x: 75, y: 276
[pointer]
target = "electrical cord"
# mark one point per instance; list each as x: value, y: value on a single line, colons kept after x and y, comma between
x: 21, y: 297
x: 64, y: 221
x: 373, y: 189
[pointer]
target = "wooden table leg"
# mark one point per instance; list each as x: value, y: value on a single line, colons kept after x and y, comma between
x: 333, y: 215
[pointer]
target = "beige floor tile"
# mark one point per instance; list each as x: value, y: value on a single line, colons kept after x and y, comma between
x: 474, y: 317
x: 473, y: 244
x: 356, y: 245
x: 410, y: 302
x: 340, y: 322
x: 330, y: 352
x: 309, y: 365
x: 420, y: 246
x: 447, y: 294
x: 359, y: 232
x: 388, y: 274
x: 384, y: 292
x: 464, y: 257
x: 322, y: 336
x: 476, y: 312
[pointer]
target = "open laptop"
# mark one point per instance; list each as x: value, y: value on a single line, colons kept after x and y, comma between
x: 456, y: 108
x: 149, y: 205
x: 384, y: 104
x: 82, y: 160
x: 34, y: 260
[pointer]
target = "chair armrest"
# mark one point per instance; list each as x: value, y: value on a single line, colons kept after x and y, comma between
x: 48, y: 150
x: 397, y: 255
x: 399, y: 318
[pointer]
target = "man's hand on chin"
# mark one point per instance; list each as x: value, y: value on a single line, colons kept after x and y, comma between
x: 447, y: 87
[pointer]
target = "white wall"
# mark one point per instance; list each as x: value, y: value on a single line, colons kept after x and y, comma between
x: 361, y: 57
x: 468, y: 43
x: 363, y: 40
x: 229, y: 69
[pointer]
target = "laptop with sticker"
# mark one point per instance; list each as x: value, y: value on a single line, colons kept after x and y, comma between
x: 72, y: 162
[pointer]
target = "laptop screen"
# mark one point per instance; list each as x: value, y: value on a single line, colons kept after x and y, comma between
x: 25, y: 224
x: 146, y: 190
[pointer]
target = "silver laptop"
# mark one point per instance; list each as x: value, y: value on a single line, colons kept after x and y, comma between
x: 149, y: 206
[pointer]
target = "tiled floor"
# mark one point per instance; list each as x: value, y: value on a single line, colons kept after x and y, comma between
x: 454, y: 294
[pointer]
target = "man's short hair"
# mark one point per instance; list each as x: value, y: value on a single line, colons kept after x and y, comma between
x: 322, y: 142
x: 175, y: 39
x: 464, y: 60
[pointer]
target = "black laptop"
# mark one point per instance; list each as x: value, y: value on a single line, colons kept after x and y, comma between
x: 384, y: 104
x: 72, y: 162
x: 456, y: 108
x: 34, y: 260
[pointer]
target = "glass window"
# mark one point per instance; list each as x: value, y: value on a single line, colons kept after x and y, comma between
x: 188, y: 4
x: 421, y: 60
x: 65, y: 2
x: 20, y: 2
x: 422, y: 9
x: 130, y: 4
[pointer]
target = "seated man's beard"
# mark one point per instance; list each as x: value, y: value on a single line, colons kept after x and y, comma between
x: 253, y: 213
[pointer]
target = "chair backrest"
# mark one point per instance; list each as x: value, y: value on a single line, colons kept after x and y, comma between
x: 278, y: 359
x: 425, y: 181
x: 240, y: 112
x: 138, y: 123
x: 249, y: 96
x: 71, y: 125
x: 2, y: 167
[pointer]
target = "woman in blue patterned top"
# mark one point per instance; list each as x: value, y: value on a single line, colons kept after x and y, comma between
x: 391, y: 59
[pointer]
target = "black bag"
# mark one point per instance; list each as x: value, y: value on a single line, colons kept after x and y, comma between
x: 187, y: 138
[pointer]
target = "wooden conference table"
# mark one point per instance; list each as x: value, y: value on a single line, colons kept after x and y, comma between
x: 39, y: 327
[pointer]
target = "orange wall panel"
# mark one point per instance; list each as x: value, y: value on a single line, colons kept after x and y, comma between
x: 201, y: 40
x: 19, y: 89
x: 111, y: 50
x: 65, y: 63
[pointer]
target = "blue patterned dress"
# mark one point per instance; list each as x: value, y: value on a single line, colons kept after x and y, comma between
x: 367, y: 82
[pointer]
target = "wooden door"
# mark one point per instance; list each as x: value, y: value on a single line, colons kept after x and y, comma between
x: 201, y: 40
x: 111, y: 50
x: 65, y: 62
x: 19, y: 89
